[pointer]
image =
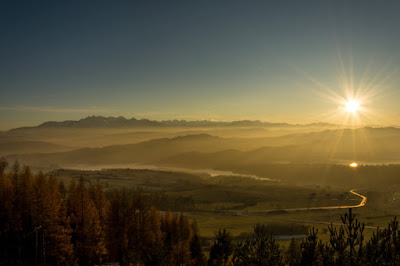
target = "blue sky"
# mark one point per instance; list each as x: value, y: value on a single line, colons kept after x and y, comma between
x: 221, y: 60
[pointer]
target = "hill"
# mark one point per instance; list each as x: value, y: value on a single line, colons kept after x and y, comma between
x: 23, y: 147
x: 372, y: 145
x: 143, y: 152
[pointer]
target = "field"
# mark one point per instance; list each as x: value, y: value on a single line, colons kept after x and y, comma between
x: 237, y: 203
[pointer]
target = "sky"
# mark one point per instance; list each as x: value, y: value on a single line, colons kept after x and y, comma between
x: 277, y: 61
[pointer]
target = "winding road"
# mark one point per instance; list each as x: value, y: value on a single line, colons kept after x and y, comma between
x: 361, y: 204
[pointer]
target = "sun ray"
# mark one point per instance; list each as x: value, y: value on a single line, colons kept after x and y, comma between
x: 354, y: 105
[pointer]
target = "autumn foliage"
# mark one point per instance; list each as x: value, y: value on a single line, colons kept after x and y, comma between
x: 44, y: 222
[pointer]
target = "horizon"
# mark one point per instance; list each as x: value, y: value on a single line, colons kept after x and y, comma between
x: 338, y: 126
x: 295, y: 63
x: 200, y: 132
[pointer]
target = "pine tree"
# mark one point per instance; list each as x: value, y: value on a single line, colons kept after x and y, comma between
x: 243, y: 254
x: 221, y: 249
x: 325, y: 254
x: 196, y: 251
x: 347, y: 241
x: 293, y: 254
x: 309, y: 248
x: 260, y: 249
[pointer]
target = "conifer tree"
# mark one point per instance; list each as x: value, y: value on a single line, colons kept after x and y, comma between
x: 62, y: 189
x: 260, y: 249
x: 196, y: 251
x: 154, y: 254
x: 309, y: 248
x: 88, y: 236
x: 101, y: 203
x: 293, y: 254
x: 117, y: 228
x: 40, y: 210
x: 6, y: 190
x: 347, y: 241
x: 181, y: 251
x: 221, y: 249
x: 57, y: 231
x: 168, y: 234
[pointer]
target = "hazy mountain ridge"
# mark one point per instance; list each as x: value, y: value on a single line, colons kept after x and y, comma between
x: 143, y: 152
x: 104, y: 122
x: 203, y: 150
x: 23, y: 147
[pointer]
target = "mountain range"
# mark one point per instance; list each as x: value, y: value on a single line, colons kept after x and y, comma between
x: 115, y: 122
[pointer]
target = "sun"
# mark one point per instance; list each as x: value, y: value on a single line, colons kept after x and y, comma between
x: 352, y: 106
x: 353, y: 165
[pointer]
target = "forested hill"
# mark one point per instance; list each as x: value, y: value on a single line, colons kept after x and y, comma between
x: 374, y: 145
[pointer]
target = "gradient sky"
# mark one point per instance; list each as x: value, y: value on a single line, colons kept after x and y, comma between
x: 220, y: 60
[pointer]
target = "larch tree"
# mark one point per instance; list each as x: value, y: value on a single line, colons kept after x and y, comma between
x: 59, y: 248
x: 88, y: 235
x: 117, y: 228
x: 6, y: 192
x: 196, y: 251
x: 154, y: 254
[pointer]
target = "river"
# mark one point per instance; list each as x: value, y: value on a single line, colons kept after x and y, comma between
x: 210, y: 172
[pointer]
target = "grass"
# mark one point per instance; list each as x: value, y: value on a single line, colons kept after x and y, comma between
x: 215, y: 206
x: 213, y: 196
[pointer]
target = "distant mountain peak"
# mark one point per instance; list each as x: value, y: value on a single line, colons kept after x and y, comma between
x: 120, y: 121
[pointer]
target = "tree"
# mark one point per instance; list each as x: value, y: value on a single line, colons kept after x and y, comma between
x: 347, y: 241
x: 293, y: 253
x: 260, y: 249
x: 221, y: 249
x: 309, y: 248
x: 154, y: 248
x: 25, y: 198
x: 40, y: 209
x: 6, y: 206
x: 117, y: 228
x: 243, y: 254
x: 181, y: 249
x: 196, y: 251
x: 16, y: 169
x: 384, y: 246
x: 169, y: 234
x: 88, y: 235
x: 56, y: 228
